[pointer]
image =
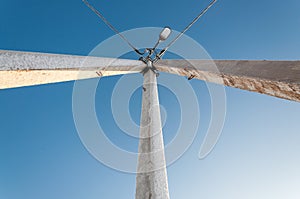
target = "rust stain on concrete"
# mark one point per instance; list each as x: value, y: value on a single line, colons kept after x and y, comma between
x: 276, y: 78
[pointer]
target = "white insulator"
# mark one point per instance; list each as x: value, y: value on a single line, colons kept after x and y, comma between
x: 165, y: 33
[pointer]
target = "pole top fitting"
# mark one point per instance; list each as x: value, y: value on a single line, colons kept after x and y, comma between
x: 149, y: 63
x: 150, y: 67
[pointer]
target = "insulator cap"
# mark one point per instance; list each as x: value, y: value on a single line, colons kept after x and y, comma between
x: 165, y: 33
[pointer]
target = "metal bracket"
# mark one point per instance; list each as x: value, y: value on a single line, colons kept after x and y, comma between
x: 153, y: 68
x: 149, y: 66
x: 192, y: 76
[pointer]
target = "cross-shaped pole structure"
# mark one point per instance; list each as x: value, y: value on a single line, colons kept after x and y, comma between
x: 276, y: 78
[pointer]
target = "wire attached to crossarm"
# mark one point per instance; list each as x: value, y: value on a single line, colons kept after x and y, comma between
x: 111, y: 26
x: 162, y: 52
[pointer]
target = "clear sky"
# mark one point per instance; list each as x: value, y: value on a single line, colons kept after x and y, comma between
x: 257, y: 156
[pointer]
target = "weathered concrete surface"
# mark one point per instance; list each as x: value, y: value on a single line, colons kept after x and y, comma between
x: 276, y: 78
x: 151, y: 180
x: 19, y: 69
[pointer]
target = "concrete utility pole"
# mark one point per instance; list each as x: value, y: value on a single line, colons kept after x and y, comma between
x: 151, y: 180
x: 276, y: 78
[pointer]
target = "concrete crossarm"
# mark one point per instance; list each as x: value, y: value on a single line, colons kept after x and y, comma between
x: 19, y: 69
x: 276, y: 78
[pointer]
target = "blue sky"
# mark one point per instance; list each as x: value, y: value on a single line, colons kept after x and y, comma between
x: 257, y: 156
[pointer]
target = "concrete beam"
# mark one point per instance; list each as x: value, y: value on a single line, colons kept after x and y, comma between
x: 19, y: 69
x: 276, y: 78
x: 151, y: 179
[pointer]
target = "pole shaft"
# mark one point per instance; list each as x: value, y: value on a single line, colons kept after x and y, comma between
x: 151, y: 180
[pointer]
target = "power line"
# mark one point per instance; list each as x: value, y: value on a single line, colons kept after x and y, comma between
x: 111, y: 26
x: 162, y: 52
